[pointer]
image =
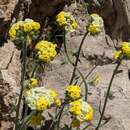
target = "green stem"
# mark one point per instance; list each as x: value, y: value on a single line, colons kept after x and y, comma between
x: 85, y: 83
x: 23, y: 72
x: 34, y: 70
x: 64, y: 38
x: 83, y: 79
x: 107, y: 95
x: 77, y: 58
x: 60, y: 115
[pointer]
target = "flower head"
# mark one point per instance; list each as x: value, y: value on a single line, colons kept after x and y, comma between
x: 40, y: 98
x: 67, y: 21
x: 41, y: 104
x: 95, y: 25
x: 46, y: 51
x: 73, y: 92
x: 23, y: 27
x: 81, y: 110
x: 123, y: 52
x: 117, y: 55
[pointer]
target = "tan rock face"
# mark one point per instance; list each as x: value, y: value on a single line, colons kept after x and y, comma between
x: 9, y: 83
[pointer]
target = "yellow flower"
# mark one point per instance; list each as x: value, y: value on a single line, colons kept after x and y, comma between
x: 94, y: 28
x: 60, y: 19
x: 81, y: 110
x: 67, y: 21
x: 95, y: 25
x: 89, y: 114
x: 58, y: 102
x: 41, y: 104
x: 53, y: 94
x: 46, y: 51
x: 75, y: 123
x: 117, y: 55
x: 27, y: 27
x: 40, y: 98
x: 75, y: 108
x: 36, y: 119
x: 12, y: 33
x: 73, y: 92
x: 35, y: 25
x: 125, y: 47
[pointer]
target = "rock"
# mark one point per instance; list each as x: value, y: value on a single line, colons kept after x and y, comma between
x: 9, y: 83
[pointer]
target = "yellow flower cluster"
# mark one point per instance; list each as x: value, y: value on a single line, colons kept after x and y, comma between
x: 40, y: 98
x: 36, y: 119
x: 41, y: 103
x: 26, y: 26
x: 81, y: 111
x: 73, y: 92
x: 67, y: 21
x: 95, y: 24
x: 46, y: 51
x: 123, y: 52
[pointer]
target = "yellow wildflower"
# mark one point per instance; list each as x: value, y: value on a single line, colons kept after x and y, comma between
x: 125, y: 47
x: 67, y: 21
x: 46, y: 51
x: 53, y: 94
x: 27, y: 27
x: 41, y: 104
x: 81, y: 110
x: 95, y: 25
x: 12, y: 33
x: 117, y: 55
x: 75, y: 107
x: 94, y: 28
x: 89, y: 114
x: 35, y: 25
x: 60, y: 19
x: 40, y: 98
x: 73, y: 92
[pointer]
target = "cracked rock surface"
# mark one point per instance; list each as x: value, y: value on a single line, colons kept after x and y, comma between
x: 9, y: 83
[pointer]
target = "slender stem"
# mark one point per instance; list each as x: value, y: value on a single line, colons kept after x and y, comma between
x: 85, y: 83
x: 23, y: 72
x: 64, y: 38
x: 56, y: 116
x: 83, y: 79
x: 34, y: 70
x: 108, y: 91
x: 77, y: 58
x: 60, y: 115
